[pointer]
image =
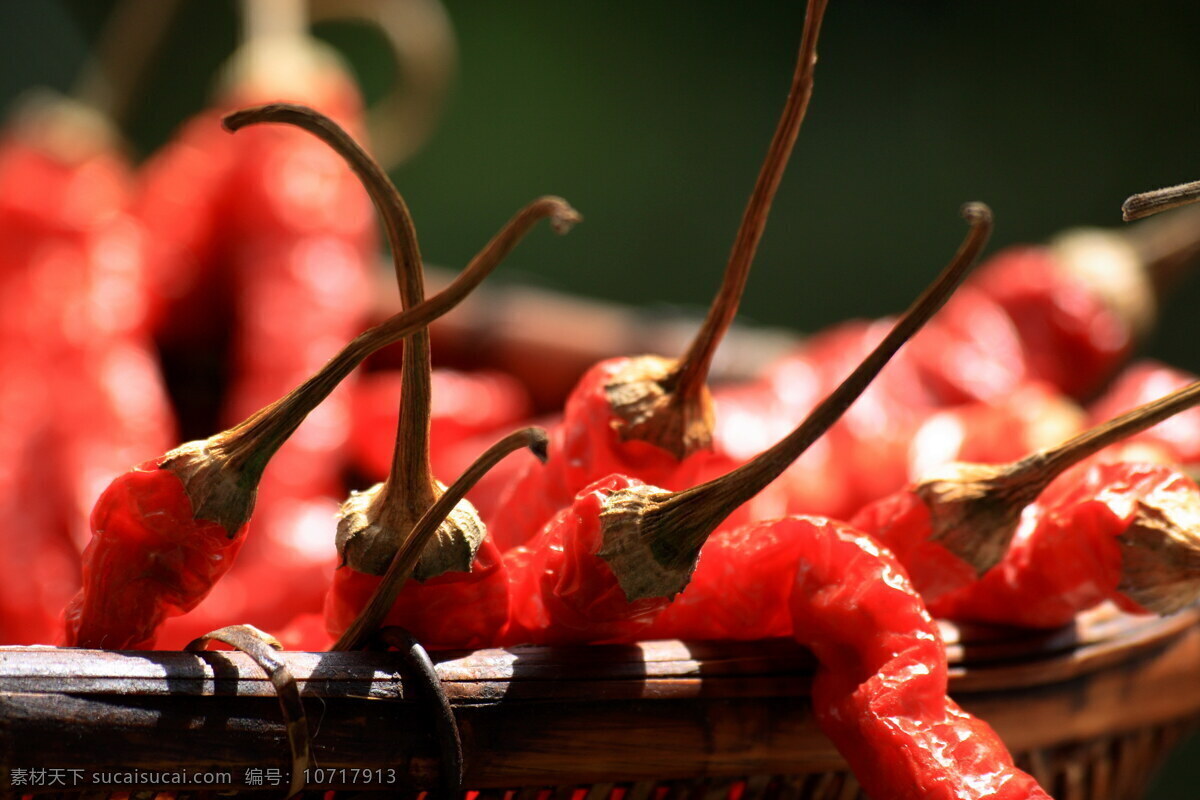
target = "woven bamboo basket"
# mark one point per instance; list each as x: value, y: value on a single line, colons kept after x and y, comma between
x: 1090, y: 710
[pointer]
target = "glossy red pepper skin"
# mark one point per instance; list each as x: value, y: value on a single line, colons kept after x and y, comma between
x: 1071, y: 337
x: 584, y: 448
x: 561, y: 591
x: 1066, y: 556
x: 148, y: 559
x: 1142, y: 382
x: 880, y: 688
x: 740, y: 589
x: 455, y: 610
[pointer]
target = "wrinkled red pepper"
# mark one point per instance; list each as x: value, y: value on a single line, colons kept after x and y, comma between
x: 603, y: 567
x: 1124, y: 532
x: 958, y: 522
x: 880, y: 687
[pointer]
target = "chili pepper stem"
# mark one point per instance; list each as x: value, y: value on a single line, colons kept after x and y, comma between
x: 667, y: 403
x: 407, y: 556
x: 651, y: 538
x: 975, y: 508
x: 1145, y: 204
x: 374, y: 523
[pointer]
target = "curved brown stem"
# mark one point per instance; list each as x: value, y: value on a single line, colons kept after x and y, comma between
x: 410, y: 487
x: 1037, y: 470
x: 689, y: 378
x: 248, y: 446
x: 670, y: 529
x: 744, y: 482
x: 371, y: 617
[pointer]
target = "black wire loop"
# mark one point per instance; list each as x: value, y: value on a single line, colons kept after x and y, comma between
x: 445, y: 725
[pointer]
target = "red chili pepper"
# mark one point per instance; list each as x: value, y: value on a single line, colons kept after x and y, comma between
x: 1081, y: 303
x: 219, y: 475
x: 643, y: 416
x: 1032, y: 416
x: 1123, y: 532
x: 603, y: 567
x: 1141, y: 382
x: 149, y: 558
x: 455, y: 609
x: 372, y: 525
x: 953, y: 526
x: 562, y: 590
x: 880, y: 687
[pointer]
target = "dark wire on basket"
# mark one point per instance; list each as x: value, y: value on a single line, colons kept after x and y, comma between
x: 262, y: 647
x: 445, y: 725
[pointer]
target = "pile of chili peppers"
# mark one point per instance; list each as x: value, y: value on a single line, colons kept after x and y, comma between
x: 1008, y: 465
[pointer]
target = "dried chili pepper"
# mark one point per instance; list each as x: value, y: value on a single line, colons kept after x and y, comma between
x: 1124, y: 532
x: 949, y: 528
x: 135, y: 559
x: 880, y: 687
x: 457, y: 612
x: 644, y: 416
x: 603, y: 567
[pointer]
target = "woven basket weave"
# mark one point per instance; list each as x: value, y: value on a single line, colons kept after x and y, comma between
x: 1089, y: 710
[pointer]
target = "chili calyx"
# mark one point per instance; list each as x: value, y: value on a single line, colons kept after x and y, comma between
x: 975, y: 508
x: 1160, y: 554
x: 409, y: 553
x: 651, y: 539
x: 666, y: 402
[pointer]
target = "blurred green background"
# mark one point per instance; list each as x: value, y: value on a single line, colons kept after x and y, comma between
x: 652, y: 119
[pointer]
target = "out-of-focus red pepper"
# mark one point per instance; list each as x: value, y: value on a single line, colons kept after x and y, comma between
x: 1033, y: 416
x: 267, y: 234
x: 1140, y: 383
x: 89, y: 398
x: 465, y: 405
x: 643, y: 416
x: 880, y: 687
x: 952, y: 526
x: 1124, y: 532
x: 1082, y: 302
